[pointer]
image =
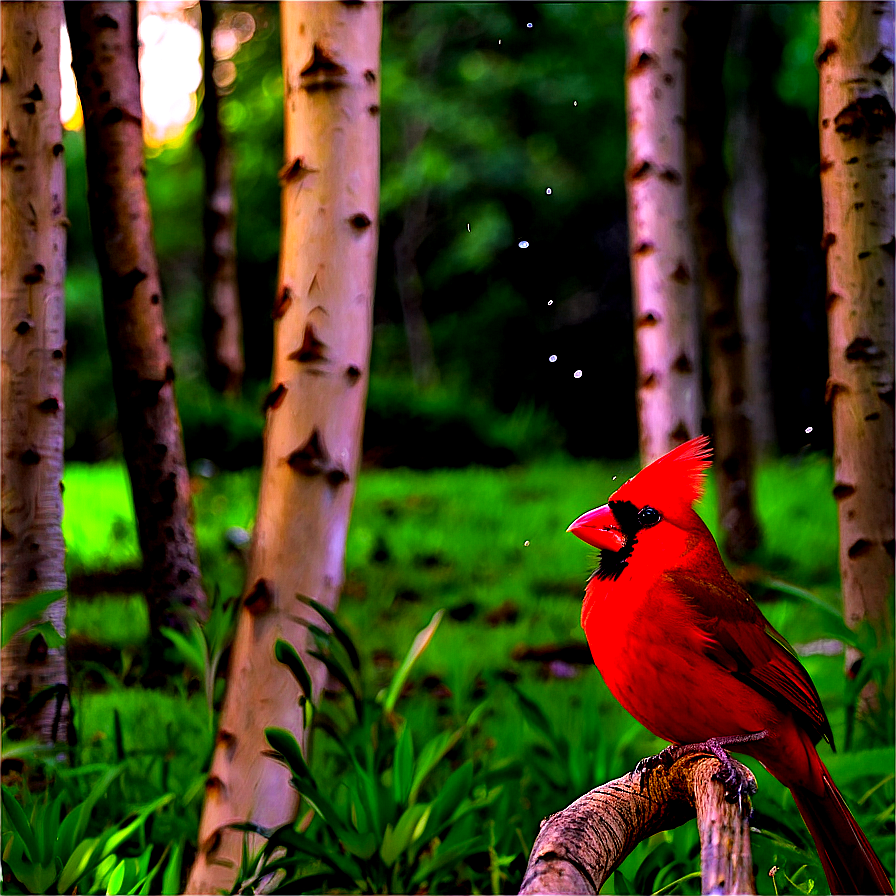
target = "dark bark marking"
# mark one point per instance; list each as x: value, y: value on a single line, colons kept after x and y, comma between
x: 681, y: 274
x: 826, y: 52
x: 105, y: 21
x: 214, y: 786
x: 889, y: 547
x: 854, y: 160
x: 275, y: 397
x: 731, y: 343
x: 311, y: 349
x: 29, y: 457
x: 23, y: 326
x: 858, y: 206
x: 373, y: 109
x: 650, y: 381
x: 129, y: 282
x: 105, y: 96
x: 322, y: 72
x: 4, y: 76
x: 113, y: 116
x: 259, y: 598
x: 827, y: 241
x: 282, y: 303
x: 48, y: 405
x: 29, y: 107
x: 295, y: 170
x: 58, y: 354
x: 650, y: 319
x: 311, y: 458
x: 5, y: 534
x: 155, y: 298
x: 640, y: 170
x: 35, y: 275
x: 862, y: 255
x: 681, y: 433
x: 360, y: 221
x: 682, y: 364
x: 831, y: 299
x: 644, y: 248
x: 37, y: 649
x: 643, y: 63
x: 874, y: 415
x: 890, y: 246
x: 886, y: 395
x: 826, y: 165
x: 370, y: 76
x: 881, y: 63
x: 337, y: 476
x: 671, y: 176
x: 35, y: 94
x: 353, y: 373
x: 859, y: 548
x: 868, y: 117
x: 58, y: 149
x: 843, y: 490
x: 668, y: 79
x: 862, y: 348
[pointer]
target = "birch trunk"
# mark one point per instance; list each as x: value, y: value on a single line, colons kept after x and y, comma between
x: 104, y: 58
x: 33, y: 358
x: 856, y: 109
x: 707, y: 26
x: 322, y: 332
x: 663, y: 264
x: 223, y: 325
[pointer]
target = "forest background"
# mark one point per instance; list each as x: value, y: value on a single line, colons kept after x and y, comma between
x: 503, y: 209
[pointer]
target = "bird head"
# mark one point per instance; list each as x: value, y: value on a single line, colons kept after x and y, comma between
x: 654, y: 507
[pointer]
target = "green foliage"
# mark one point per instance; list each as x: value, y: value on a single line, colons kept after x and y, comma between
x: 379, y: 823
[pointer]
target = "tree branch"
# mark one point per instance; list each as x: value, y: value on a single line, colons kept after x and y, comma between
x: 578, y: 848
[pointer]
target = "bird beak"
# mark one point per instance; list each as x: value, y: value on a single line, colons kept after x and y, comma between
x: 599, y: 528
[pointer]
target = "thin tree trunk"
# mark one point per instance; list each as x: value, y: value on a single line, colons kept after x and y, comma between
x: 322, y: 331
x: 104, y: 51
x: 667, y: 330
x: 707, y: 26
x: 749, y: 213
x: 33, y: 315
x: 857, y: 146
x: 223, y: 325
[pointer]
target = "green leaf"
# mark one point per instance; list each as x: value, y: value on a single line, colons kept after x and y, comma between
x: 103, y: 871
x: 114, y: 839
x: 191, y: 648
x: 430, y: 756
x: 421, y: 642
x: 288, y: 655
x: 341, y: 634
x: 16, y: 616
x: 336, y: 669
x: 77, y: 865
x: 116, y: 879
x: 15, y: 816
x: 284, y: 743
x: 403, y: 767
x: 50, y: 634
x: 171, y: 875
x: 74, y: 825
x: 396, y: 841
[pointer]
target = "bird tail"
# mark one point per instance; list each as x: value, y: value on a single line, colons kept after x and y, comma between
x: 850, y: 864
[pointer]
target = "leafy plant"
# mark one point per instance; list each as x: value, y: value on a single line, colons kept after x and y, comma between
x: 44, y: 850
x: 377, y: 820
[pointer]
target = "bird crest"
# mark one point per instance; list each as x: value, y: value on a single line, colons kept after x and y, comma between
x: 676, y: 478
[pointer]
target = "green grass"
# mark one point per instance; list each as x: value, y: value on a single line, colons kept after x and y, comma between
x: 473, y: 541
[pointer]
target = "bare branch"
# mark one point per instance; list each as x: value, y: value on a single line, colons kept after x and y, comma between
x: 578, y: 848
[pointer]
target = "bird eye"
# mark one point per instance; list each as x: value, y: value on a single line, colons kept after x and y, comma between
x: 648, y: 517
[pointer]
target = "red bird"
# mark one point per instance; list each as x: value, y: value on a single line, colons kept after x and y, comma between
x: 686, y: 651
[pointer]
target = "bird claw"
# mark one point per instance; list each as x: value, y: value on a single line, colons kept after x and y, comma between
x: 649, y: 764
x: 738, y: 787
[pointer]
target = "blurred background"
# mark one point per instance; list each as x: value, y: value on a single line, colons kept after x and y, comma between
x: 503, y: 230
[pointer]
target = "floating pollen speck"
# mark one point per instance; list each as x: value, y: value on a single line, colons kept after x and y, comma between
x: 578, y: 374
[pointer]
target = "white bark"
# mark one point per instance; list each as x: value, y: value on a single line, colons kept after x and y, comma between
x: 323, y: 318
x: 663, y: 263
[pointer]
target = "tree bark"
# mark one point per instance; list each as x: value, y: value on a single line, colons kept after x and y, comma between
x: 104, y: 51
x: 749, y: 214
x: 857, y: 145
x: 322, y: 332
x: 661, y: 249
x: 707, y: 26
x: 222, y: 325
x: 33, y: 360
x: 579, y: 848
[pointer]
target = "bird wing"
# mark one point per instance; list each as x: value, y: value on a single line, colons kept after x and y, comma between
x: 739, y: 638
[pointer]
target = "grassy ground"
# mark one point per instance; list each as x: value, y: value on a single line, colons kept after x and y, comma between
x: 490, y: 548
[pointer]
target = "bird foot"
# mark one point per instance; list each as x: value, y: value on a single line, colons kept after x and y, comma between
x: 738, y: 788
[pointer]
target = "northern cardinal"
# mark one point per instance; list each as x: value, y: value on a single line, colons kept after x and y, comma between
x: 689, y: 654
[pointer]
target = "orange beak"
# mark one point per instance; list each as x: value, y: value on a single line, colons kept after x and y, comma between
x: 599, y: 528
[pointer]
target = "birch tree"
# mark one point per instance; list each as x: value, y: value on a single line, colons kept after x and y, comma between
x: 661, y: 247
x: 707, y: 26
x: 312, y: 443
x: 104, y: 58
x: 33, y: 361
x: 856, y: 109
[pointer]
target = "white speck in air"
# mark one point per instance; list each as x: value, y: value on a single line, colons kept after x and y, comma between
x: 808, y: 430
x: 523, y: 244
x: 548, y: 191
x: 525, y: 544
x: 552, y: 358
x: 578, y: 374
